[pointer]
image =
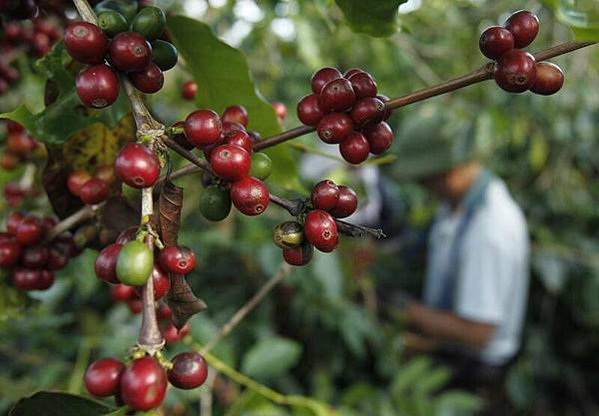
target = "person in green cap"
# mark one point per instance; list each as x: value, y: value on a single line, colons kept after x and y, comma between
x: 476, y: 287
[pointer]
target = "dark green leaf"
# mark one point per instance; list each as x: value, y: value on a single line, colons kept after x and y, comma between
x: 271, y: 357
x: 46, y: 403
x: 375, y: 18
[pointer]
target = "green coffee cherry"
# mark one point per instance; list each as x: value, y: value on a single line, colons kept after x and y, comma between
x: 112, y: 23
x: 134, y: 264
x: 261, y: 166
x: 164, y: 54
x: 149, y: 22
x: 215, y: 203
x: 289, y: 234
x: 128, y: 8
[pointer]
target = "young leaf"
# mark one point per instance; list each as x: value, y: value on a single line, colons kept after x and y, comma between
x: 375, y: 18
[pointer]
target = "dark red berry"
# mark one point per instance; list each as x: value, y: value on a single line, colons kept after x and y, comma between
x: 94, y: 191
x: 41, y: 44
x: 130, y: 51
x: 105, y: 266
x: 171, y: 334
x: 163, y: 312
x: 368, y: 111
x: 189, y: 89
x: 550, y: 79
x: 309, y: 111
x: 177, y: 259
x: 26, y: 279
x: 280, y: 110
x: 189, y: 371
x: 322, y: 77
x: 325, y: 195
x: 45, y: 280
x: 337, y: 95
x: 13, y: 221
x: 135, y: 305
x: 230, y: 127
x: 137, y: 166
x: 335, y: 127
x: 355, y: 149
x: 160, y: 282
x: 241, y: 139
x: 321, y: 230
x: 76, y: 180
x: 203, y: 127
x: 380, y: 137
x: 57, y: 259
x: 122, y: 293
x: 352, y: 71
x: 97, y: 86
x: 30, y: 231
x: 300, y: 255
x: 10, y: 252
x: 49, y: 222
x: 149, y: 80
x: 235, y: 114
x: 250, y: 196
x: 66, y: 244
x: 524, y: 25
x: 495, y: 42
x: 86, y: 42
x: 387, y: 112
x: 143, y: 384
x: 127, y: 235
x: 14, y: 127
x: 103, y: 377
x: 347, y: 203
x: 35, y: 257
x: 515, y: 71
x: 20, y: 144
x: 363, y: 85
x: 230, y: 162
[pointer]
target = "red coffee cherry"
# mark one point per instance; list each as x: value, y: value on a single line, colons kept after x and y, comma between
x: 163, y: 312
x: 309, y: 111
x: 334, y: 128
x: 9, y: 161
x: 368, y: 111
x: 230, y: 127
x: 160, y: 282
x: 177, y: 259
x: 300, y: 255
x: 42, y: 44
x: 66, y: 244
x: 351, y: 72
x: 143, y: 384
x: 13, y: 221
x: 20, y: 144
x: 10, y: 252
x: 122, y: 293
x: 549, y: 79
x: 321, y: 230
x: 149, y: 80
x: 45, y: 280
x: 203, y: 127
x: 280, y: 110
x: 97, y: 86
x: 135, y: 305
x: 94, y: 191
x: 235, y: 114
x: 30, y: 231
x: 137, y: 166
x: 103, y: 377
x: 172, y: 335
x: 189, y: 371
x: 380, y: 138
x: 250, y: 196
x: 524, y: 25
x: 86, y: 42
x: 515, y: 71
x: 57, y: 259
x: 189, y: 89
x: 355, y: 149
x: 130, y: 51
x: 127, y: 235
x: 337, y: 95
x: 105, y: 266
x: 363, y: 85
x: 241, y: 139
x: 347, y: 203
x: 76, y: 180
x: 35, y: 257
x: 26, y: 279
x: 495, y: 42
x: 48, y: 222
x: 322, y: 77
x: 230, y: 162
x: 325, y: 195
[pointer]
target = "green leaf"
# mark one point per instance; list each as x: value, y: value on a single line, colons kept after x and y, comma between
x: 581, y: 16
x: 375, y: 18
x: 223, y: 78
x: 46, y: 403
x: 66, y: 115
x: 271, y: 357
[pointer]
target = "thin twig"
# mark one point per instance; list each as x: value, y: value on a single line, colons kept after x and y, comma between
x: 84, y: 214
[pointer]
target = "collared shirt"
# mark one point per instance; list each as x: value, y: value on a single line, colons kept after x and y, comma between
x: 492, y: 270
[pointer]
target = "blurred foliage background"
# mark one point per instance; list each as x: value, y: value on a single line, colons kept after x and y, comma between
x: 326, y: 332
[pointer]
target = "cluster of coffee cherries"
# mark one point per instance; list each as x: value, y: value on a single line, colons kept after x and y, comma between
x: 347, y: 110
x: 128, y: 43
x: 141, y: 384
x: 327, y: 202
x: 92, y: 190
x: 240, y: 172
x: 31, y: 261
x: 517, y: 70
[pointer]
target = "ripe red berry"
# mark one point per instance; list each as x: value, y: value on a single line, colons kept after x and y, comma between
x: 94, y: 191
x: 171, y: 334
x: 135, y: 305
x: 325, y: 195
x: 309, y: 111
x: 163, y: 312
x: 300, y: 255
x: 122, y: 293
x: 30, y: 231
x: 130, y: 51
x: 334, y: 128
x: 143, y: 384
x: 149, y: 80
x: 380, y: 137
x: 105, y: 266
x: 48, y: 222
x: 355, y: 149
x: 13, y: 221
x: 127, y: 235
x: 103, y: 377
x: 45, y: 280
x: 363, y: 85
x: 137, y: 166
x: 321, y: 230
x: 189, y: 371
x: 10, y: 252
x: 20, y: 144
x: 515, y: 71
x: 524, y: 25
x: 235, y: 114
x: 495, y: 42
x: 57, y: 259
x: 86, y: 42
x: 230, y: 162
x: 26, y: 279
x: 160, y: 282
x: 76, y: 180
x: 368, y: 111
x: 230, y: 127
x: 351, y: 72
x: 189, y: 89
x: 322, y: 77
x: 550, y: 79
x: 337, y: 95
x: 280, y: 110
x: 241, y: 139
x: 250, y: 196
x: 347, y: 203
x: 35, y: 257
x: 97, y: 86
x: 203, y: 127
x: 177, y: 259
